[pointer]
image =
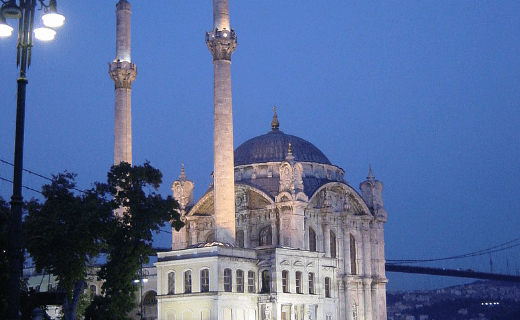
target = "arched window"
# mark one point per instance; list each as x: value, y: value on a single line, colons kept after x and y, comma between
x: 251, y: 281
x: 92, y: 290
x: 266, y: 282
x: 299, y: 284
x: 171, y: 283
x: 150, y: 298
x: 353, y: 269
x: 285, y: 281
x: 327, y: 287
x: 311, y: 283
x: 227, y: 280
x: 204, y: 280
x: 332, y: 245
x: 150, y: 305
x: 240, y: 238
x: 312, y: 240
x: 187, y: 281
x: 240, y: 281
x: 266, y: 237
x: 210, y: 237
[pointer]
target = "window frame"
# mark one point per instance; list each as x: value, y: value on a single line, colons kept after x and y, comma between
x: 285, y: 281
x: 228, y: 280
x: 311, y: 283
x: 188, y: 282
x: 251, y: 288
x: 171, y: 282
x: 328, y: 287
x: 299, y: 283
x: 239, y: 282
x: 204, y: 280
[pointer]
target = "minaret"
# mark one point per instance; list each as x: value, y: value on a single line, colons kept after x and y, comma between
x: 221, y: 42
x: 123, y: 72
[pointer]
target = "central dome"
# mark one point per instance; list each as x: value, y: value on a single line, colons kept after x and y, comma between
x: 274, y: 147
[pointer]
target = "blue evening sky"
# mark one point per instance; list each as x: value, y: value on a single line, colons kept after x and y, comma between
x: 425, y: 91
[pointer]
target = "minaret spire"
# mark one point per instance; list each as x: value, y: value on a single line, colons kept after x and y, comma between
x: 221, y: 42
x: 123, y: 73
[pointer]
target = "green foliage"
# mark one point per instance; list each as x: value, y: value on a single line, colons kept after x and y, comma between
x: 64, y: 232
x: 141, y: 213
x: 4, y: 261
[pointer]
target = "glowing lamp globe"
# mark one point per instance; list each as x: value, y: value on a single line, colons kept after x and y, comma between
x: 44, y: 34
x: 53, y: 20
x: 5, y: 30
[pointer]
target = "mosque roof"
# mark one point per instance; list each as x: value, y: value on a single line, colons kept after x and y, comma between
x: 274, y: 146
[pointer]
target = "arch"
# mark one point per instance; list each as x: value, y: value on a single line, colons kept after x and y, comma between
x: 312, y: 240
x: 327, y: 287
x: 171, y: 282
x: 299, y: 283
x: 205, y: 206
x: 228, y: 280
x: 150, y: 305
x: 210, y: 237
x: 92, y: 290
x: 204, y: 280
x: 265, y: 281
x: 187, y: 281
x: 352, y: 194
x: 311, y: 282
x: 265, y: 236
x: 239, y: 280
x: 150, y: 298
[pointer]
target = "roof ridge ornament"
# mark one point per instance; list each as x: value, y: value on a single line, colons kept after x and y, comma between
x: 275, y: 124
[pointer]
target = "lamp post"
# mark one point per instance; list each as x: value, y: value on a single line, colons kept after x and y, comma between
x: 142, y: 279
x: 24, y: 11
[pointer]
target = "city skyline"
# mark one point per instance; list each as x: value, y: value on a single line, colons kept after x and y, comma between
x: 427, y: 93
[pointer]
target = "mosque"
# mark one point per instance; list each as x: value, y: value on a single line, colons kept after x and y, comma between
x: 279, y: 234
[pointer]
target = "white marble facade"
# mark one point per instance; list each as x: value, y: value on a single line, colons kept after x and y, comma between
x: 308, y: 246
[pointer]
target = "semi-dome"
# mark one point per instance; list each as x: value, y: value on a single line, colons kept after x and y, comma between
x: 274, y: 147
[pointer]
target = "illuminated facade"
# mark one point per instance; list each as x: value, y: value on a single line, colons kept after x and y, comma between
x: 308, y: 246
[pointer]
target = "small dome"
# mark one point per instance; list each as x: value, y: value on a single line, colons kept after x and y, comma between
x: 274, y: 147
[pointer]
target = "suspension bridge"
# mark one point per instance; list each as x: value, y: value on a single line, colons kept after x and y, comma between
x: 502, y: 254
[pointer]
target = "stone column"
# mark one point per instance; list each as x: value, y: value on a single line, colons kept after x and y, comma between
x: 221, y: 42
x: 123, y: 72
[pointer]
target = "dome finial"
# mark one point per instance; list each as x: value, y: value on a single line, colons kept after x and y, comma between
x: 370, y: 175
x: 275, y: 124
x: 182, y: 176
x: 290, y: 148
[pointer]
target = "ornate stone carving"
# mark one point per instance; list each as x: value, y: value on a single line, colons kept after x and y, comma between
x: 221, y: 43
x: 183, y: 191
x: 123, y: 73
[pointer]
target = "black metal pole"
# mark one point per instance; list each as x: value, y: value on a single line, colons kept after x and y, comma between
x: 23, y: 60
x: 15, y: 222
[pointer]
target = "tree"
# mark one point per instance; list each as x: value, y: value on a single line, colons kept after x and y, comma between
x: 64, y: 233
x: 141, y: 213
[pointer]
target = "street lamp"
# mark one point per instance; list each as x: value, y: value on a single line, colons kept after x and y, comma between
x: 142, y: 279
x: 24, y: 11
